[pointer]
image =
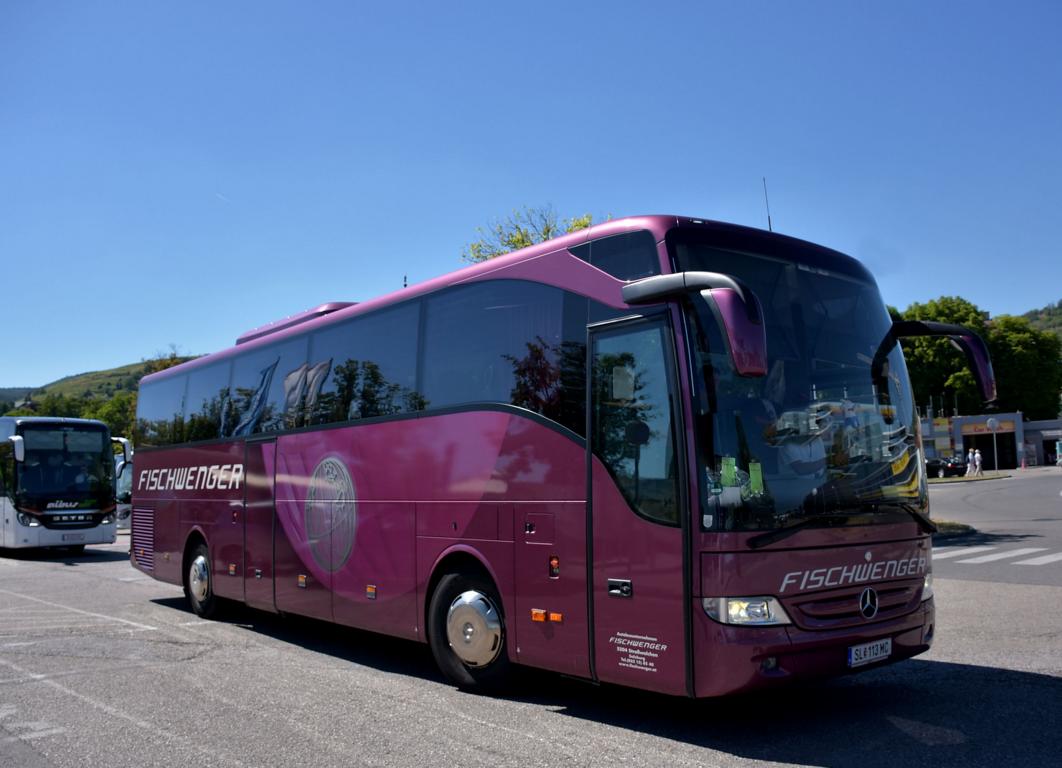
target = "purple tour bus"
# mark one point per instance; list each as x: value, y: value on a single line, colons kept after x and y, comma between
x: 661, y: 452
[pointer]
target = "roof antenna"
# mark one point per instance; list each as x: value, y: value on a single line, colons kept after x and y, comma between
x: 405, y: 281
x: 768, y: 204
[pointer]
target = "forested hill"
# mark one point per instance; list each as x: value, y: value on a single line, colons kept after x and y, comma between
x: 96, y: 383
x: 1047, y: 319
x: 13, y: 394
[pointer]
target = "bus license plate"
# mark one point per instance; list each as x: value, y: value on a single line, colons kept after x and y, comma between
x: 73, y: 537
x: 868, y: 652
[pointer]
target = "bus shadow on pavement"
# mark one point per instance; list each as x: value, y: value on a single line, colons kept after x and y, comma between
x: 914, y: 713
x: 87, y: 557
x: 976, y: 538
x: 368, y: 649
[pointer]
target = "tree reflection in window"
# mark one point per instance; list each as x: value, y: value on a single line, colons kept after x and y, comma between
x: 633, y: 431
x: 550, y: 380
x: 359, y: 390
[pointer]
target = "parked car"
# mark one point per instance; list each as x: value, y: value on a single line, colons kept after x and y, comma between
x: 949, y: 466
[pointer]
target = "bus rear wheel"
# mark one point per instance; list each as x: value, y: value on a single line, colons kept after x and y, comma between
x: 198, y: 583
x: 466, y: 631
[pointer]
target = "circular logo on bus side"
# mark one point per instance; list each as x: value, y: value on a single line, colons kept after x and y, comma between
x: 330, y: 514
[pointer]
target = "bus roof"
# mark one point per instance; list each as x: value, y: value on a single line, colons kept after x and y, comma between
x: 17, y: 420
x: 599, y: 285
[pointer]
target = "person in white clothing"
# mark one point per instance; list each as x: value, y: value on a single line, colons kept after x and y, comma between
x: 970, y: 463
x: 977, y: 463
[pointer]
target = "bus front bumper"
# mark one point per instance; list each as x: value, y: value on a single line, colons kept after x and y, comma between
x: 729, y: 659
x: 39, y: 536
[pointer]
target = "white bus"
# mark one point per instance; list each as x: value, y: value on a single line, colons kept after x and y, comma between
x: 57, y: 482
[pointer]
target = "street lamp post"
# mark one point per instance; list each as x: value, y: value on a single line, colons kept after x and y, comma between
x: 993, y: 424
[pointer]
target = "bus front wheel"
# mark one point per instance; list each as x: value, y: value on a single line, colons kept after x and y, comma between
x: 198, y: 583
x: 466, y: 631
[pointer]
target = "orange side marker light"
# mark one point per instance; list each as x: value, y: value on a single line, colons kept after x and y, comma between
x: 537, y: 614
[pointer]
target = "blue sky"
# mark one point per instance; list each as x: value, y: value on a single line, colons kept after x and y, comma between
x: 177, y: 173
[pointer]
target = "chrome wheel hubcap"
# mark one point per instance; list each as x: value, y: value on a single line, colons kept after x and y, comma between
x: 474, y: 629
x: 199, y: 579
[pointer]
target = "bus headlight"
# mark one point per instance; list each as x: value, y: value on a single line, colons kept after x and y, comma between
x: 107, y: 520
x: 748, y: 611
x: 28, y: 520
x: 927, y: 587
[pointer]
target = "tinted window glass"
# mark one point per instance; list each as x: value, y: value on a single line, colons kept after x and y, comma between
x: 507, y: 341
x: 265, y: 389
x: 634, y: 430
x: 206, y: 401
x: 159, y: 412
x: 364, y: 367
x: 629, y: 256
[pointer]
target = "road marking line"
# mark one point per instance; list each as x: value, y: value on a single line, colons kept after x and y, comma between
x: 77, y: 610
x: 940, y: 554
x: 1003, y: 555
x: 1042, y: 560
x: 33, y: 735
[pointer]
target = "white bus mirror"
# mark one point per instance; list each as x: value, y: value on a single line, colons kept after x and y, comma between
x: 19, y: 448
x: 125, y: 448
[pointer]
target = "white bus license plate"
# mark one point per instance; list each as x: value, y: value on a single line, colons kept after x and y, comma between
x: 868, y: 652
x: 73, y: 537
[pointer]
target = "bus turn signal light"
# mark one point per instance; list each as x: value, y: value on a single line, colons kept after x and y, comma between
x: 537, y: 614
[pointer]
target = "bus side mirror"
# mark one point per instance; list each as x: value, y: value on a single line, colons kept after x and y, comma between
x: 746, y: 333
x: 735, y: 305
x: 19, y: 448
x: 965, y: 340
x: 125, y: 448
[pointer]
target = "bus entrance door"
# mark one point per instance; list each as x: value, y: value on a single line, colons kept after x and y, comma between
x: 259, y: 521
x: 637, y: 572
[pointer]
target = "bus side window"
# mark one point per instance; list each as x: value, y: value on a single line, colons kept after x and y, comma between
x: 628, y: 256
x: 207, y: 401
x: 160, y: 411
x: 364, y: 367
x: 258, y: 401
x: 507, y: 341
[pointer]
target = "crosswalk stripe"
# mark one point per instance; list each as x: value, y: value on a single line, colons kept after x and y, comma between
x: 1003, y: 555
x: 940, y: 554
x: 1042, y: 560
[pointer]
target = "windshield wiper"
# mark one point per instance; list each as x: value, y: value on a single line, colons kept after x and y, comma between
x: 924, y: 523
x: 785, y: 532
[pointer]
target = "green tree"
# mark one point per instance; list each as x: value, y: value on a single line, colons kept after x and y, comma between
x: 937, y: 369
x: 1027, y: 362
x: 163, y: 360
x: 1028, y: 366
x: 118, y: 412
x: 520, y: 229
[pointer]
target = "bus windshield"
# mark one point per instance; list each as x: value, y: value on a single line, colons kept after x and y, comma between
x: 66, y: 463
x: 818, y: 436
